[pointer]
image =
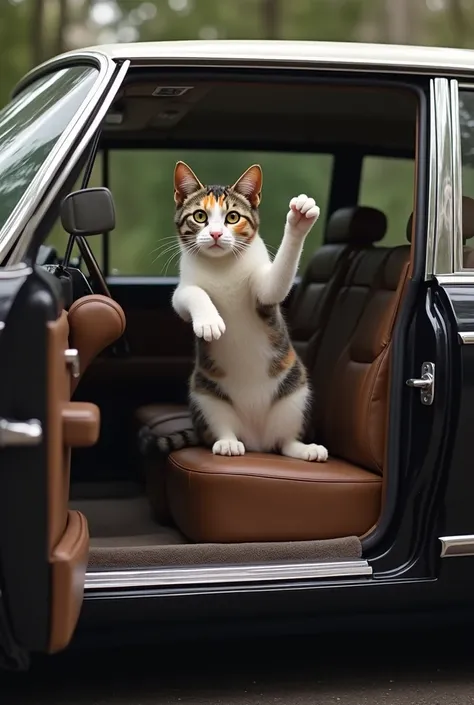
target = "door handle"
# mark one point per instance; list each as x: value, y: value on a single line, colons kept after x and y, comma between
x: 20, y: 433
x: 425, y: 383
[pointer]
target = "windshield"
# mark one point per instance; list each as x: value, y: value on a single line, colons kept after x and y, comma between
x: 32, y: 124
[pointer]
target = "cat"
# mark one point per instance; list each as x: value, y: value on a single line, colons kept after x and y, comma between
x: 249, y: 389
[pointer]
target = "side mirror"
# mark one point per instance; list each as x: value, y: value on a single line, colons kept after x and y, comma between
x: 89, y: 211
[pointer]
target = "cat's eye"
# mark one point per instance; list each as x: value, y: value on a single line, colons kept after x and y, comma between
x: 200, y: 216
x: 232, y: 218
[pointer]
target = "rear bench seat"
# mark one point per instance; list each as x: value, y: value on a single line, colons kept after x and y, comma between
x: 349, y: 231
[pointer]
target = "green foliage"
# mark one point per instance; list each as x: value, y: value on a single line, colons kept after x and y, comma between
x: 142, y: 181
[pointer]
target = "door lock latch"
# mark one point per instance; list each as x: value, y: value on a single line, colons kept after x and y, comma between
x: 72, y: 360
x: 426, y: 383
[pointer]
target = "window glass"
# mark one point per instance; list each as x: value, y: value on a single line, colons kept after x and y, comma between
x: 144, y: 241
x: 387, y: 183
x: 32, y: 124
x: 466, y: 119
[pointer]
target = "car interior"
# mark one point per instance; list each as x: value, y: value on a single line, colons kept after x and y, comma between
x: 135, y: 355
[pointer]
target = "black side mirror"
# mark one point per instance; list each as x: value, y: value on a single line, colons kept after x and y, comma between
x: 90, y: 211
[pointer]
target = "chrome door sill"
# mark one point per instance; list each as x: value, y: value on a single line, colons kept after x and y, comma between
x: 457, y: 546
x: 224, y: 575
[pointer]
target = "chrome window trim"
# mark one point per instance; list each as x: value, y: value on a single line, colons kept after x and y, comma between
x: 464, y: 278
x: 457, y: 179
x: 443, y: 217
x: 432, y: 188
x: 457, y: 546
x: 25, y: 238
x: 225, y: 575
x: 39, y: 185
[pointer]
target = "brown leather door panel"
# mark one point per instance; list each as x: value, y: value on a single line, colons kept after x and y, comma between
x: 43, y: 546
x: 68, y: 569
x: 70, y: 424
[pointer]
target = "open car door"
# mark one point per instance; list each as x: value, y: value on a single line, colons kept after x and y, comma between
x: 43, y: 545
x: 44, y: 133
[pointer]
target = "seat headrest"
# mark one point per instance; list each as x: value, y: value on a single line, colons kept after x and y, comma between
x: 359, y: 225
x: 467, y: 220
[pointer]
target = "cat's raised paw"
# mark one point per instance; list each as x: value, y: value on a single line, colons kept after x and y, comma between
x: 303, y: 214
x: 210, y: 329
x: 228, y: 447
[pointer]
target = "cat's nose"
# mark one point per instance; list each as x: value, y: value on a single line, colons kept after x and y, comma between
x: 216, y: 234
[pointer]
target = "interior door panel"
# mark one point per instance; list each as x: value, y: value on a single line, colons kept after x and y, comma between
x: 43, y: 546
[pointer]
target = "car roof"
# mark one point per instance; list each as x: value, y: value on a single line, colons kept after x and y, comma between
x: 340, y: 54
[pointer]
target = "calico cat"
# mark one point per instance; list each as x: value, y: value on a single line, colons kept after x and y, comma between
x: 249, y: 390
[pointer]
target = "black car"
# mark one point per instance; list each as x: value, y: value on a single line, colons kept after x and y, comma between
x: 101, y: 532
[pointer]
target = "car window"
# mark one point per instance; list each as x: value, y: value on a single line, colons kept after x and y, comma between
x: 387, y: 183
x: 466, y: 120
x: 32, y: 124
x: 144, y: 241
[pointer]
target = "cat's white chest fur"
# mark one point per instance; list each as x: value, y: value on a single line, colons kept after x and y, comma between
x: 244, y: 351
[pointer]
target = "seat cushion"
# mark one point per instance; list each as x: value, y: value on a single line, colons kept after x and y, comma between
x: 266, y: 497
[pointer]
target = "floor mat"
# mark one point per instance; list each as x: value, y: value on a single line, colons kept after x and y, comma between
x: 125, y: 535
x: 111, y: 557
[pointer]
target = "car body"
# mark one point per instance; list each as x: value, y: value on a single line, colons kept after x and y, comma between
x: 348, y: 100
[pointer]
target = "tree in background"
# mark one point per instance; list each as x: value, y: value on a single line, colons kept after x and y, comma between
x: 34, y: 30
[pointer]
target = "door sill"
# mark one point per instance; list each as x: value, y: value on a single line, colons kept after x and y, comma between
x: 224, y: 575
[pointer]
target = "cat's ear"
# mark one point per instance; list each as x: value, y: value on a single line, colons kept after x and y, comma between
x: 185, y: 182
x: 250, y: 184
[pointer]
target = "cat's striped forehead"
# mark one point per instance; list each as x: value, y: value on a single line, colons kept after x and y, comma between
x: 223, y: 197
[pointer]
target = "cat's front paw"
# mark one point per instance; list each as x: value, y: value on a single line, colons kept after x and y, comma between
x: 210, y: 328
x: 228, y: 447
x: 302, y: 215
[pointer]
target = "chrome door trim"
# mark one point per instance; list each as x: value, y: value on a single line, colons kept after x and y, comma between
x: 442, y: 250
x: 466, y: 337
x: 465, y: 278
x: 25, y: 238
x: 456, y: 546
x: 39, y: 186
x: 224, y: 575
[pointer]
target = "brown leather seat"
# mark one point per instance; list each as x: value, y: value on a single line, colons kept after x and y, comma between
x: 263, y: 497
x: 349, y: 231
x: 272, y: 498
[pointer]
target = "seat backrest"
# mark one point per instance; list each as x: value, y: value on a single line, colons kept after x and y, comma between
x: 349, y: 230
x: 346, y: 311
x: 355, y: 401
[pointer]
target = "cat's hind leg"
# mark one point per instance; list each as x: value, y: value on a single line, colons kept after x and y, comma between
x: 285, y: 424
x: 223, y: 424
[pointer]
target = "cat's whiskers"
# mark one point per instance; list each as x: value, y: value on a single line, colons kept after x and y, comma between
x: 174, y: 247
x: 169, y: 261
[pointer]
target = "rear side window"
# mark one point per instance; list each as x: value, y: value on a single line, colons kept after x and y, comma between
x: 387, y: 183
x: 32, y: 124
